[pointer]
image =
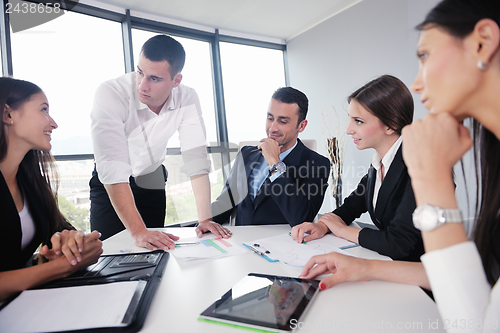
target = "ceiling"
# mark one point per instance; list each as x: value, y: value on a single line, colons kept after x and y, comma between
x: 277, y: 19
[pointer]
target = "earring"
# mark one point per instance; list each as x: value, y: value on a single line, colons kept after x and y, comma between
x: 482, y: 66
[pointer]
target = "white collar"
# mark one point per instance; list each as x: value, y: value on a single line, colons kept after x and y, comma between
x: 389, y: 156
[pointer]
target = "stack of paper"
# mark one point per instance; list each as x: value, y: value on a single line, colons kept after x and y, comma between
x: 206, y: 247
x: 70, y: 308
x: 288, y: 251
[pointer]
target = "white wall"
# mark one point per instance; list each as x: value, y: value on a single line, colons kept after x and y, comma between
x: 330, y: 61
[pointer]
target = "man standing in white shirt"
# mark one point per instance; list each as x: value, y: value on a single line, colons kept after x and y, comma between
x: 133, y: 117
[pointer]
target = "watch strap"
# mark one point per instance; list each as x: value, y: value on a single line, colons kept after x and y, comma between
x: 427, y: 217
x: 452, y: 215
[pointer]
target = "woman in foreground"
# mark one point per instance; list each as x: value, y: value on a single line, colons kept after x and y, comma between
x: 459, y: 77
x: 28, y: 207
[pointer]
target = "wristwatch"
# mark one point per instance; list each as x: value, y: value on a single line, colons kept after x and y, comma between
x: 279, y: 167
x: 427, y: 217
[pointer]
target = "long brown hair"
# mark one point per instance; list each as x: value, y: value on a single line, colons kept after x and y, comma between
x: 37, y: 168
x: 487, y: 161
x: 458, y: 18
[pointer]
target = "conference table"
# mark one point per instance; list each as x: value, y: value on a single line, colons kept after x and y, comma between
x: 189, y: 287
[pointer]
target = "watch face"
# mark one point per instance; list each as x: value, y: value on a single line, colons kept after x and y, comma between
x: 429, y: 219
x: 426, y: 218
x: 281, y: 167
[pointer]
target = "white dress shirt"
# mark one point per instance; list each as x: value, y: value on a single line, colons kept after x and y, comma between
x: 387, y: 161
x: 131, y: 140
x: 464, y: 298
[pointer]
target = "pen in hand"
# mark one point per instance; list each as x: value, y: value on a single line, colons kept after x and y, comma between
x: 290, y: 234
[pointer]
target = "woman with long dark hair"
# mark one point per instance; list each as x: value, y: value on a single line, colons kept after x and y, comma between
x: 378, y: 111
x: 459, y: 78
x: 28, y: 207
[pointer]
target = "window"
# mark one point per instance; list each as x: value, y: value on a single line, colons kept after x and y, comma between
x: 250, y: 76
x: 197, y: 74
x: 68, y: 58
x: 71, y: 55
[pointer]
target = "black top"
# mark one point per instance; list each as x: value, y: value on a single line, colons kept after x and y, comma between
x: 10, y: 237
x: 396, y: 237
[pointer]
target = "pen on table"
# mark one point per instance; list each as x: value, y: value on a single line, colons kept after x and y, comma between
x: 265, y: 251
x: 260, y: 253
x: 255, y: 249
x: 186, y: 243
x: 290, y: 234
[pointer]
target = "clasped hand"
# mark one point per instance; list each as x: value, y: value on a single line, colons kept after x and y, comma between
x: 72, y: 244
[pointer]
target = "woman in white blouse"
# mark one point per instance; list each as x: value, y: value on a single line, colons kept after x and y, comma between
x: 459, y: 78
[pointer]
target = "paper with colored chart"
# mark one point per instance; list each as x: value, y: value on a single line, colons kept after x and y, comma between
x: 206, y: 247
x: 284, y: 249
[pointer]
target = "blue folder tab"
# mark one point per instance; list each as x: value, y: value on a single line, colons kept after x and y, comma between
x: 349, y: 246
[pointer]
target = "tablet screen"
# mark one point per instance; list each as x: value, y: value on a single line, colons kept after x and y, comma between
x: 264, y: 301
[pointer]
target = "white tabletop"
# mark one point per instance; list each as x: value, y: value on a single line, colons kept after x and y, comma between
x: 189, y: 287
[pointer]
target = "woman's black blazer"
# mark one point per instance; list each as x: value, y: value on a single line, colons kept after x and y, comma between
x: 10, y: 236
x: 396, y: 237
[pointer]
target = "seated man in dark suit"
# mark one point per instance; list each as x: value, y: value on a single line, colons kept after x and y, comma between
x: 281, y: 181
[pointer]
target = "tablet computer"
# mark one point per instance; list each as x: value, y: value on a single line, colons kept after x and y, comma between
x: 266, y: 302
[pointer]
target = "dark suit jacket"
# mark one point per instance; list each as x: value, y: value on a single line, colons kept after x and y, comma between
x: 11, y: 234
x: 294, y: 197
x: 397, y: 237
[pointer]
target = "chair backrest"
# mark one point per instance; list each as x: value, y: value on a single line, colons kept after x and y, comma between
x: 311, y: 144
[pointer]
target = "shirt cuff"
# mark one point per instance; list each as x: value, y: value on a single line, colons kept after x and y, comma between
x: 275, y: 175
x: 458, y: 281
